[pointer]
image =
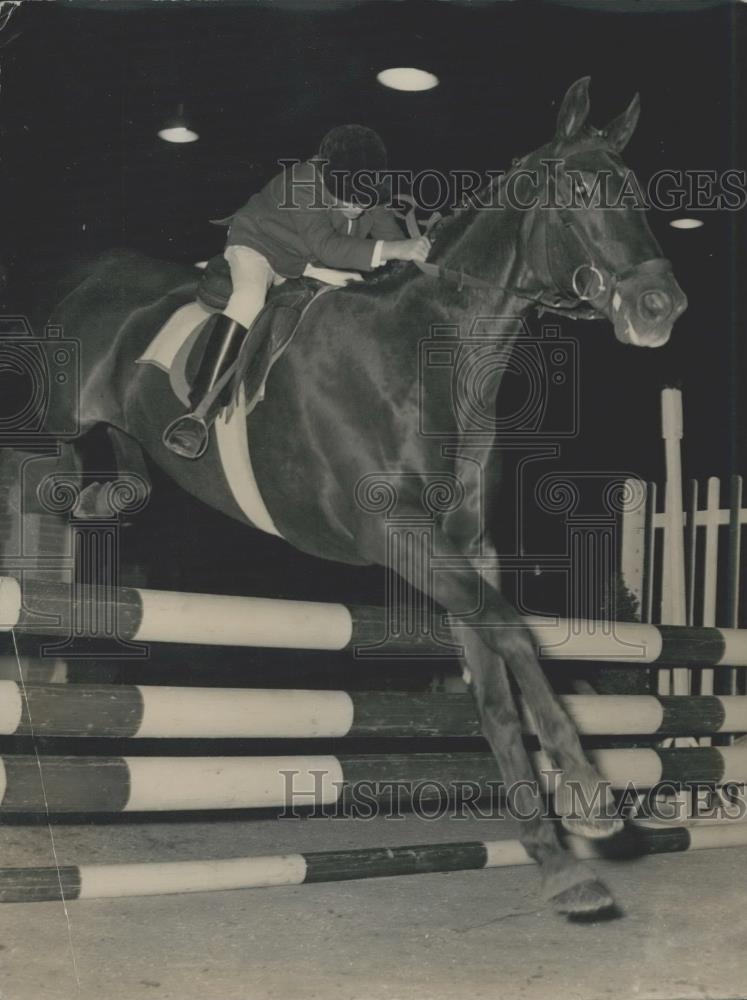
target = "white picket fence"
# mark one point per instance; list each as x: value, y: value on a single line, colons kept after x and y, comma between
x: 683, y: 563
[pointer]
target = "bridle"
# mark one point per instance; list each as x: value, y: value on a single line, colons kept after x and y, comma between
x: 582, y: 301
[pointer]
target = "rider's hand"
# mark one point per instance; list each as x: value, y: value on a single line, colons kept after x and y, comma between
x: 416, y: 249
x: 331, y: 276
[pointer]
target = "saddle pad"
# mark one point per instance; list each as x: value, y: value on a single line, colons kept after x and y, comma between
x: 172, y: 345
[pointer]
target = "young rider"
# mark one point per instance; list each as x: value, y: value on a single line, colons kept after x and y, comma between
x: 309, y: 220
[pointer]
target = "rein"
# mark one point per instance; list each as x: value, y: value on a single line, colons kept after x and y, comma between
x: 561, y: 307
x: 580, y: 306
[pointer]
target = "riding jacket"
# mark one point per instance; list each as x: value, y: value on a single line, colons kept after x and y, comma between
x: 291, y: 223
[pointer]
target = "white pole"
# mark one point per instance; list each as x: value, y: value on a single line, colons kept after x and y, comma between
x: 633, y: 544
x: 673, y: 597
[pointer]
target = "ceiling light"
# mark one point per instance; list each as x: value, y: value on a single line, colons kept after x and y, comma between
x: 177, y: 129
x: 686, y: 223
x: 407, y: 78
x: 178, y: 133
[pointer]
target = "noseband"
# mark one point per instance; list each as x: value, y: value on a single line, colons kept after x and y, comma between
x: 582, y: 300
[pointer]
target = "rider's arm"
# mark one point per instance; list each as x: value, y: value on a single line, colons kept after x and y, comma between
x: 328, y: 247
x: 389, y: 239
x: 330, y: 276
x: 384, y: 225
x: 417, y: 249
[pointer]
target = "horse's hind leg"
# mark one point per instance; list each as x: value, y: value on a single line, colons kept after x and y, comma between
x: 34, y: 534
x: 127, y: 467
x: 570, y: 885
x: 35, y: 542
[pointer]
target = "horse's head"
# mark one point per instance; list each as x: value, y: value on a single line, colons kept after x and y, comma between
x: 589, y: 241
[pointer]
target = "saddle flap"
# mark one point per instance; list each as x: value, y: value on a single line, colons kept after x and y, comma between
x: 274, y: 328
x: 180, y: 343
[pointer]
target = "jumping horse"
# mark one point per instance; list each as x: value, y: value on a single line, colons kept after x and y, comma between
x: 344, y: 404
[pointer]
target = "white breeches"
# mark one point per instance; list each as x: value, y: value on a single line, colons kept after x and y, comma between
x: 251, y: 276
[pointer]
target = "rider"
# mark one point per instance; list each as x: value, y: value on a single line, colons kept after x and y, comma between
x: 309, y: 220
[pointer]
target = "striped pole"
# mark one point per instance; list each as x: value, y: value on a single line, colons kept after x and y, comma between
x: 734, y: 682
x: 147, y: 712
x: 710, y: 569
x: 33, y: 670
x: 150, y: 784
x: 204, y: 619
x: 69, y: 882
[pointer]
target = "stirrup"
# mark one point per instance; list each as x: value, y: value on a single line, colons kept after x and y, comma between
x: 187, y: 436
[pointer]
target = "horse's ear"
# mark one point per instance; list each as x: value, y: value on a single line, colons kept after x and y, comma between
x: 619, y: 131
x: 573, y: 110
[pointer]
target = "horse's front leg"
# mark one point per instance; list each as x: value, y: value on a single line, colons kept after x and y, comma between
x: 583, y: 801
x: 570, y: 885
x: 492, y: 634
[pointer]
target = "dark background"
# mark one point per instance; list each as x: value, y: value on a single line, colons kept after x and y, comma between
x: 85, y: 86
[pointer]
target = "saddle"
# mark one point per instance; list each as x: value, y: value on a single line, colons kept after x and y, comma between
x: 273, y: 328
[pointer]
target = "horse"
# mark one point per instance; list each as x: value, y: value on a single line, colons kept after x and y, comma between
x: 338, y: 440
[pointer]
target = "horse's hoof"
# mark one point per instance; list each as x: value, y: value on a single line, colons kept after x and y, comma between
x: 93, y: 503
x: 592, y: 828
x: 586, y: 900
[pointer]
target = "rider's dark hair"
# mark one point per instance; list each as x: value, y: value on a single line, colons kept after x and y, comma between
x: 348, y: 149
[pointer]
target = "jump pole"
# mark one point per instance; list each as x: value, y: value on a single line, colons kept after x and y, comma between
x: 205, y: 619
x: 151, y: 712
x: 77, y: 882
x: 30, y: 784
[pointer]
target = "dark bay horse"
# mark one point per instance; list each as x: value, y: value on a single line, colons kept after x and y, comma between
x: 338, y: 442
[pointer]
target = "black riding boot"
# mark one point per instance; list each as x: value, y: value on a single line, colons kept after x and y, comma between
x: 188, y: 435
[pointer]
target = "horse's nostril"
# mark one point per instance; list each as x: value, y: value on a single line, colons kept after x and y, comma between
x: 654, y: 304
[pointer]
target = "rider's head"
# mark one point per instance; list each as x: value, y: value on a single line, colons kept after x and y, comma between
x: 352, y: 157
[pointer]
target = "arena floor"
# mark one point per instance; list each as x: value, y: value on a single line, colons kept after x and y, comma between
x: 477, y: 935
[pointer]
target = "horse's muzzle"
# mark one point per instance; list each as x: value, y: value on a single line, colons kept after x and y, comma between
x: 646, y: 303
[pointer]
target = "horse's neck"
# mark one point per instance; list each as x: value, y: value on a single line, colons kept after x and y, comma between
x: 490, y: 249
